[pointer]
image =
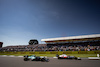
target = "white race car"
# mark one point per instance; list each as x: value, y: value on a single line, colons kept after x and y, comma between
x: 64, y: 56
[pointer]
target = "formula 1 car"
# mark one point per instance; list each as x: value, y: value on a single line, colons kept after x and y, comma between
x: 64, y: 56
x: 35, y: 58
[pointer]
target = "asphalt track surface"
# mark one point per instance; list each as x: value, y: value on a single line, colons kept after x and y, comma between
x: 18, y: 62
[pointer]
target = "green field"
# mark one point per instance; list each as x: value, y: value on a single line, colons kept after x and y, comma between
x: 52, y: 55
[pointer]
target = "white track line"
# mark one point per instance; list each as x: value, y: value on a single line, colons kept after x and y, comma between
x: 9, y: 56
x: 55, y: 57
x: 19, y: 56
x: 94, y: 58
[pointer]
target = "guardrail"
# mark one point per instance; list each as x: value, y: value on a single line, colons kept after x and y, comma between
x: 53, y: 52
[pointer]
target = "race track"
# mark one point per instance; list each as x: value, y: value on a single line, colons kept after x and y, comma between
x: 18, y: 62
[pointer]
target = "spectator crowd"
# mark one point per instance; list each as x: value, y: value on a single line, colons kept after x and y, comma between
x: 45, y: 47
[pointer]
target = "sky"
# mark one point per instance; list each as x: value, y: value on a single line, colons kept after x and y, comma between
x: 22, y: 20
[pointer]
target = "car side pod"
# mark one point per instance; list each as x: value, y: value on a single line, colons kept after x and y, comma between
x: 45, y: 60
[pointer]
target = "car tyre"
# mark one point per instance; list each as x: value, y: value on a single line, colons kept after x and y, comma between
x: 26, y: 59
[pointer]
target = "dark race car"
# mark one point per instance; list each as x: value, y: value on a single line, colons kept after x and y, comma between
x: 64, y: 56
x: 35, y: 58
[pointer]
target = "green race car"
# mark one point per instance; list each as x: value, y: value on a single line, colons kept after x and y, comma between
x: 35, y: 58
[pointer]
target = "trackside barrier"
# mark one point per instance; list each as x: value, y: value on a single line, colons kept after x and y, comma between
x: 48, y: 52
x: 36, y: 52
x: 74, y: 52
x: 82, y: 52
x: 53, y: 52
x: 97, y: 52
x: 30, y: 53
x: 67, y: 52
x: 42, y: 52
x: 59, y: 52
x: 91, y: 52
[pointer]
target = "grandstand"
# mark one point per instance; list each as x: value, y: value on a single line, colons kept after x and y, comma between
x: 37, y: 47
x: 74, y: 43
x: 88, y: 39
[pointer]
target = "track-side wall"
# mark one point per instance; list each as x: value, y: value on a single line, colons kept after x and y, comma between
x: 54, y: 52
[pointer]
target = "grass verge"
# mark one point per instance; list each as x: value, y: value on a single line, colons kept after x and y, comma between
x: 52, y: 55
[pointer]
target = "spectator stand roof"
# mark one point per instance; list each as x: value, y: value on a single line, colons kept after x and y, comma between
x: 73, y: 38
